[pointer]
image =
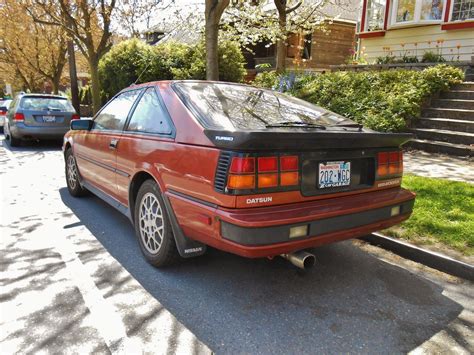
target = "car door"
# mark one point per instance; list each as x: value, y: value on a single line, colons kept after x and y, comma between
x: 149, y: 131
x: 95, y: 150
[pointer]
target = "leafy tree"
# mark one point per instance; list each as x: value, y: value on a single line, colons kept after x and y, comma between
x: 30, y: 51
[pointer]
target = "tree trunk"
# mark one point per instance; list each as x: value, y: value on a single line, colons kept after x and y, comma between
x: 73, y: 76
x: 281, y: 47
x: 55, y: 83
x: 212, y: 57
x: 95, y: 85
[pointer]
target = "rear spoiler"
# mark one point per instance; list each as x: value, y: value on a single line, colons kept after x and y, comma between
x: 304, y: 140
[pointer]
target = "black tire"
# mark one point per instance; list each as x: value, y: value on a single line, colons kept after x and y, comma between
x: 13, y: 141
x: 157, y: 255
x: 72, y: 175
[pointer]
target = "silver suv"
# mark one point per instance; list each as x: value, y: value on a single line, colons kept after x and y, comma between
x: 38, y: 116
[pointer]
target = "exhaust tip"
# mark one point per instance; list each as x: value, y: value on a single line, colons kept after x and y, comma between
x: 301, y: 259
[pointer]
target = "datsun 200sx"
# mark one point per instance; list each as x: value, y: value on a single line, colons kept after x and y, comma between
x: 245, y: 170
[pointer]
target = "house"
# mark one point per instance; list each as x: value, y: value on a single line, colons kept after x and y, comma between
x: 331, y: 45
x: 413, y: 27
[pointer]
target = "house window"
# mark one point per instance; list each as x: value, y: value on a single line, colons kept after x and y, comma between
x: 462, y: 10
x: 413, y: 11
x: 375, y: 15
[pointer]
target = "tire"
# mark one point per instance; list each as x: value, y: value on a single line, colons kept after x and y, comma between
x: 13, y: 141
x: 150, y: 218
x: 72, y: 176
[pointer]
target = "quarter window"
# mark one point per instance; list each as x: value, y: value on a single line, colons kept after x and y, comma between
x: 149, y: 115
x: 114, y: 115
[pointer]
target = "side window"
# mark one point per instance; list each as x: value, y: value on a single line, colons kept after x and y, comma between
x: 149, y: 115
x: 114, y: 115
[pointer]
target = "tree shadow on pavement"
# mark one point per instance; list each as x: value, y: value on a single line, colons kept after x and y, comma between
x: 350, y: 302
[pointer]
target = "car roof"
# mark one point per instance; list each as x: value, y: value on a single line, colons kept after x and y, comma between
x: 44, y: 95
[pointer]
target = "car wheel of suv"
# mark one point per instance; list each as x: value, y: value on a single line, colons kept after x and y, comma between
x: 152, y: 226
x: 72, y: 176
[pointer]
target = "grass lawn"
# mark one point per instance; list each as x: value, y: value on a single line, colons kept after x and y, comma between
x: 443, y: 213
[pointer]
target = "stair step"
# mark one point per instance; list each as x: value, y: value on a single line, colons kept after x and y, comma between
x: 458, y: 114
x: 447, y: 124
x: 441, y: 147
x: 443, y: 135
x: 453, y: 103
x: 469, y: 77
x: 458, y: 94
x: 464, y: 86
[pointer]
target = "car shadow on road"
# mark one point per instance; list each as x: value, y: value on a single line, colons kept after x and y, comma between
x: 34, y: 145
x: 350, y: 302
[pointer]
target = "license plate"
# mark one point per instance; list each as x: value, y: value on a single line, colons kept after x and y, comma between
x: 49, y: 118
x: 334, y: 174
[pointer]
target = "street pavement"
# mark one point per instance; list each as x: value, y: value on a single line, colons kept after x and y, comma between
x: 73, y: 281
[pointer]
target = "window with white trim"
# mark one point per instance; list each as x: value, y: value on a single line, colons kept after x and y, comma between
x: 414, y: 11
x: 463, y: 10
x: 375, y: 15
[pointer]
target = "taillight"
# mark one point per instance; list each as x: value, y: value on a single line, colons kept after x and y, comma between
x: 390, y: 163
x: 3, y: 113
x: 75, y: 117
x: 264, y: 172
x: 19, y: 117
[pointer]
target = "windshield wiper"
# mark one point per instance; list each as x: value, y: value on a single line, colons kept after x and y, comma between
x: 348, y: 125
x: 295, y: 124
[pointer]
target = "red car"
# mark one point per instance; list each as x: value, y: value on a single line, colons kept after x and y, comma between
x: 249, y: 171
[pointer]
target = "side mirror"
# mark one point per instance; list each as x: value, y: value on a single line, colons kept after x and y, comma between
x: 81, y: 125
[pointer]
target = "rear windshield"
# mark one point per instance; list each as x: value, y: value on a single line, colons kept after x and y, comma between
x: 239, y: 107
x: 5, y: 103
x: 46, y: 104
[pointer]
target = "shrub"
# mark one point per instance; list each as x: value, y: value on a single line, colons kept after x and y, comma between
x: 385, y: 101
x: 134, y: 61
x: 431, y: 57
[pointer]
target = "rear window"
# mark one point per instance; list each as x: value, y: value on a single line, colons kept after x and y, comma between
x: 239, y: 107
x: 46, y: 104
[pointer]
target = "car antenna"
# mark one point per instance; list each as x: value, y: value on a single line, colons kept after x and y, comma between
x: 139, y: 76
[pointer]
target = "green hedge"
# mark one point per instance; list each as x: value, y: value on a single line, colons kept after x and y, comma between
x: 386, y: 101
x: 133, y: 60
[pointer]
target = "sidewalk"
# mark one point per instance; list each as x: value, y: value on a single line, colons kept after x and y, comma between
x: 438, y: 166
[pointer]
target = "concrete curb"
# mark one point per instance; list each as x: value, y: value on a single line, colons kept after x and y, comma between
x: 434, y: 260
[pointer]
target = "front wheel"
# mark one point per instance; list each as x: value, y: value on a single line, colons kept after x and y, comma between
x: 152, y: 226
x: 72, y: 176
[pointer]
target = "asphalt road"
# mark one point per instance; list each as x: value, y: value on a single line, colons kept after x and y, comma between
x: 72, y: 278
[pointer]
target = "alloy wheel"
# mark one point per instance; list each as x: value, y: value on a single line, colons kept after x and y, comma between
x: 151, y: 223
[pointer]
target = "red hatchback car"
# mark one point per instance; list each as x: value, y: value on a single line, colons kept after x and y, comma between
x: 246, y: 170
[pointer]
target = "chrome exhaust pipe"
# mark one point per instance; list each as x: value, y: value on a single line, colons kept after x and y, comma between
x: 301, y: 259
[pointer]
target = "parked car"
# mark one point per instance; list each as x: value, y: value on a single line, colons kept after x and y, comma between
x: 249, y: 171
x: 38, y: 116
x: 4, y: 104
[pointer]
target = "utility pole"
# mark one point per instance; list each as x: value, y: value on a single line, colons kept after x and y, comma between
x: 73, y: 76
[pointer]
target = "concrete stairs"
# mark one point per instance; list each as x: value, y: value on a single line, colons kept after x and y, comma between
x: 447, y: 126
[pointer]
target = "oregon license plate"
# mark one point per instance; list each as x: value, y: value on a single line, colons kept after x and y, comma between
x: 334, y: 174
x: 49, y: 118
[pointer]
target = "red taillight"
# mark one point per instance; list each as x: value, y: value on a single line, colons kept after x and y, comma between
x: 75, y: 117
x: 267, y: 164
x: 19, y: 117
x: 3, y: 113
x: 248, y: 173
x: 242, y: 165
x: 288, y: 163
x: 389, y: 163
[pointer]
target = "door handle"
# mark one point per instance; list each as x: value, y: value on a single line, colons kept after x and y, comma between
x: 113, y: 143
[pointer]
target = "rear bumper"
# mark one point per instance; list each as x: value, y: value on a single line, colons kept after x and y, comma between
x: 265, y: 231
x: 20, y: 130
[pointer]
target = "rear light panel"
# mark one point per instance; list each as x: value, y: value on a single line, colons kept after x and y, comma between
x: 254, y: 173
x: 19, y: 117
x: 75, y: 117
x: 390, y: 164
